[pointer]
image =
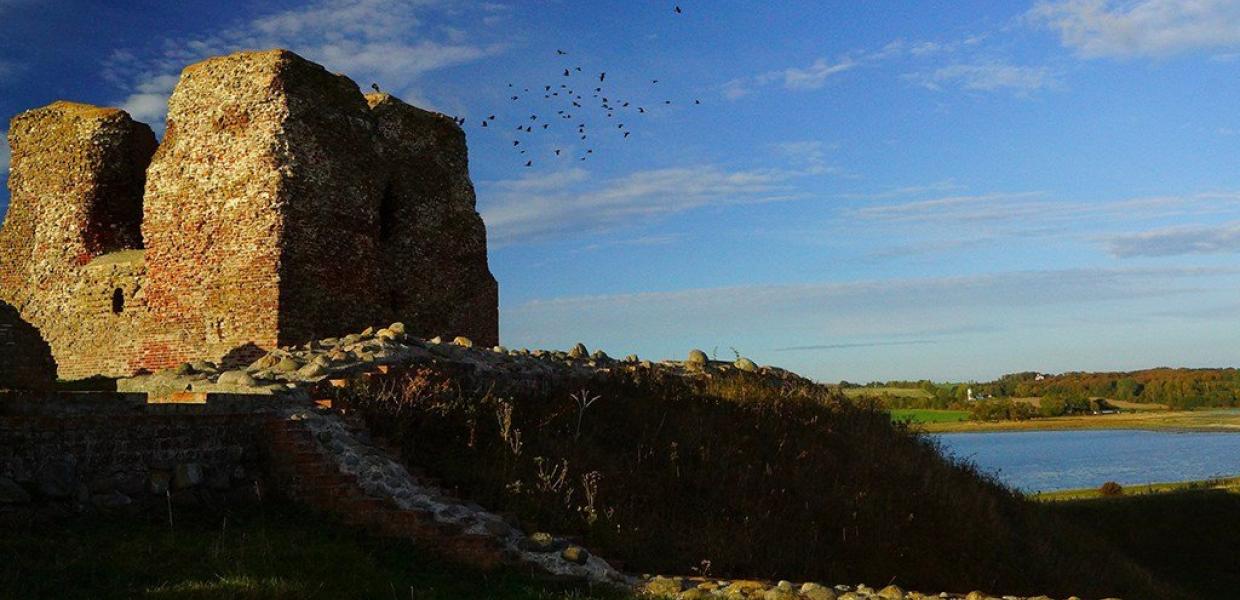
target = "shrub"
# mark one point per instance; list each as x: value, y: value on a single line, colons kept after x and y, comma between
x: 1111, y: 488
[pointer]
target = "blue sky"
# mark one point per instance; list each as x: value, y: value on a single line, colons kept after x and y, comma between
x: 948, y: 190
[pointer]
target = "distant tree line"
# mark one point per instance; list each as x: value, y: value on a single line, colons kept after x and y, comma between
x: 1177, y: 388
x: 1069, y: 393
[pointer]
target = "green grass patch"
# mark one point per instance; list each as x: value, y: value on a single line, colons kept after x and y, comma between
x: 874, y: 392
x: 926, y: 415
x: 276, y: 552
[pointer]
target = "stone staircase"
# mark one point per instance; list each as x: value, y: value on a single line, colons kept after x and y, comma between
x: 304, y: 472
x: 324, y: 458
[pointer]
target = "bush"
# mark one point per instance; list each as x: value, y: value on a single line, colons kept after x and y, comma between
x: 1111, y: 488
x: 761, y: 477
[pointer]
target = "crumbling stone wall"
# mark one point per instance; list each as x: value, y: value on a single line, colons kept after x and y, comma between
x: 25, y: 359
x: 112, y: 461
x: 434, y: 242
x: 282, y: 206
x: 75, y: 186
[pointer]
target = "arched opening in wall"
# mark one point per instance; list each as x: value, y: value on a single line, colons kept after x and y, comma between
x: 118, y: 301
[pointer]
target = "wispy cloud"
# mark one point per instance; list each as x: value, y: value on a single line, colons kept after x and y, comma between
x: 988, y: 77
x: 370, y: 40
x: 1176, y: 241
x: 1030, y: 207
x: 1102, y: 28
x: 536, y: 208
x: 859, y: 312
x: 851, y: 345
x: 811, y: 77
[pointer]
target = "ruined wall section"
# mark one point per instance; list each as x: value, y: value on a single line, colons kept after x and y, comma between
x: 434, y: 242
x: 212, y: 216
x: 330, y: 281
x: 25, y: 358
x: 76, y: 195
x: 261, y: 208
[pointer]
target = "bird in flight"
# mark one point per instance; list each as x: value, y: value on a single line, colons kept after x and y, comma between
x: 375, y: 87
x: 678, y: 11
x: 561, y: 52
x: 566, y: 72
x: 602, y: 76
x: 557, y: 151
x: 529, y: 163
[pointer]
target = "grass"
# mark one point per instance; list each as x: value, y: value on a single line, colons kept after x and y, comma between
x: 926, y: 415
x: 1196, y: 420
x: 756, y: 477
x: 874, y: 392
x: 1225, y: 484
x: 271, y: 552
x: 1188, y: 537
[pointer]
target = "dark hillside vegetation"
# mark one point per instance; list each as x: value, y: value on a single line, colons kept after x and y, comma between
x: 1190, y: 538
x: 741, y: 475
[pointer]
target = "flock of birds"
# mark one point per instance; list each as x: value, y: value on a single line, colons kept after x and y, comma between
x: 576, y: 96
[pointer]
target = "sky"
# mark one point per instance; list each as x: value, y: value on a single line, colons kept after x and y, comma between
x: 853, y: 190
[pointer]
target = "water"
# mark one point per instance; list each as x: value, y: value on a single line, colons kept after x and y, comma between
x: 1040, y: 461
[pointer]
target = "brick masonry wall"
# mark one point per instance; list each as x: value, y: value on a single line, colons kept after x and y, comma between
x: 103, y: 459
x: 434, y: 241
x: 76, y: 187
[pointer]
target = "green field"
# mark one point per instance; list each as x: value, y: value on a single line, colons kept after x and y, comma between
x: 890, y: 391
x: 269, y: 552
x: 926, y: 415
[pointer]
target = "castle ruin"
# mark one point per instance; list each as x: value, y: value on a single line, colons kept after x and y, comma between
x: 282, y: 206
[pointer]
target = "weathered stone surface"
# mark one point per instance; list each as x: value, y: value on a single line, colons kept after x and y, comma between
x: 263, y: 196
x: 434, y: 242
x: 283, y: 206
x: 25, y: 359
x: 75, y: 187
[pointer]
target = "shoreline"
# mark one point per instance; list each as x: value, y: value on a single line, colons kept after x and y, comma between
x: 1228, y: 484
x: 1200, y: 421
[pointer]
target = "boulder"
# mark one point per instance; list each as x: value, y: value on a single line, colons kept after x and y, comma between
x: 744, y: 364
x: 578, y: 351
x: 576, y: 555
x: 814, y: 591
x: 696, y: 358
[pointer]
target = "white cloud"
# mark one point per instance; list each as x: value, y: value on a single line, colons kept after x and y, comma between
x: 812, y: 77
x: 815, y: 76
x: 988, y: 77
x: 368, y: 40
x: 560, y: 205
x: 1177, y: 241
x: 1099, y: 28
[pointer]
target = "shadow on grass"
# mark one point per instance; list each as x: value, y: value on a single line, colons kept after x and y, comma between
x: 1190, y: 538
x: 272, y: 552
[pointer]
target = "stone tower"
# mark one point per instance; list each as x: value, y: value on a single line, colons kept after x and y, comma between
x: 282, y: 206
